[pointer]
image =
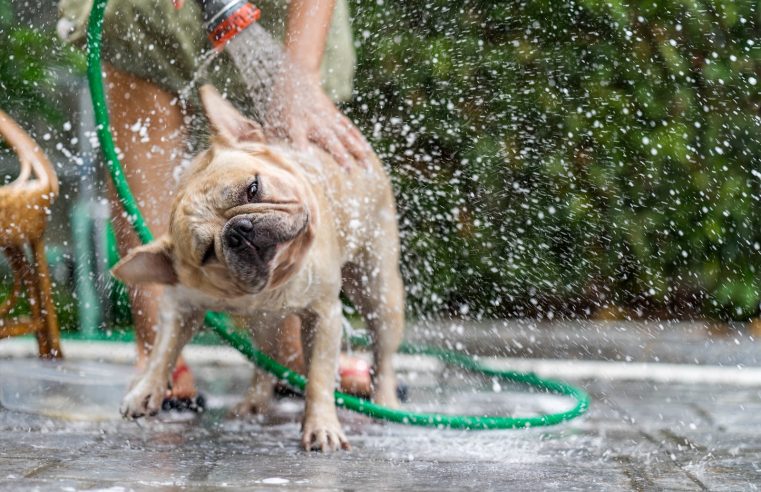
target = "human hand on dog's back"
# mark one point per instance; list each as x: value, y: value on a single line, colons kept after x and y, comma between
x: 308, y: 116
x: 299, y: 110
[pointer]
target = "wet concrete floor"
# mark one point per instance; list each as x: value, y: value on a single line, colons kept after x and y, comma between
x: 638, y: 435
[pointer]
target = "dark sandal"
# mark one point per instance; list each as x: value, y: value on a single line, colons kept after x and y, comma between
x: 195, y: 403
x: 282, y: 390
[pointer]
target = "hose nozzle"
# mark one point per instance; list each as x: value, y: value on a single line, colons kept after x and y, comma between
x: 224, y: 19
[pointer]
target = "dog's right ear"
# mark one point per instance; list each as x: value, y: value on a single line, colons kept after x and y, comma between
x: 148, y: 264
x: 227, y: 123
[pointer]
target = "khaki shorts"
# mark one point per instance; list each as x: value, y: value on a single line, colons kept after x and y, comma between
x: 153, y: 40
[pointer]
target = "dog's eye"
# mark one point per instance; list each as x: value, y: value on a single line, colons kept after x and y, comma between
x: 252, y: 191
x: 209, y: 254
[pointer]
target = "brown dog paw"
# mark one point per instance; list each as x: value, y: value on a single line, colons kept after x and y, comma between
x: 323, y: 435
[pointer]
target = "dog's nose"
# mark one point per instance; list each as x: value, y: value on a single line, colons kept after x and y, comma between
x: 244, y: 226
x: 239, y: 230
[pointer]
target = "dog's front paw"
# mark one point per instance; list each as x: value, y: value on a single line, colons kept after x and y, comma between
x: 323, y: 434
x: 144, y: 399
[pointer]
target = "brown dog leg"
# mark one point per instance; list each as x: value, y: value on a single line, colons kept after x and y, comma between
x: 376, y: 289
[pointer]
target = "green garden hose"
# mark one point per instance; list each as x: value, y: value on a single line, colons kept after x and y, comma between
x: 222, y: 325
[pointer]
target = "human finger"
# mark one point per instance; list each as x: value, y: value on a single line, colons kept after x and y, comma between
x: 330, y: 143
x: 299, y: 134
x: 355, y: 142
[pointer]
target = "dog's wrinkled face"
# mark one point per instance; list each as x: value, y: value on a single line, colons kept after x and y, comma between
x: 242, y: 220
x: 239, y: 224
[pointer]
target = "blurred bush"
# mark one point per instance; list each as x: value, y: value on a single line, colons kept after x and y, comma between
x: 29, y: 58
x: 567, y: 157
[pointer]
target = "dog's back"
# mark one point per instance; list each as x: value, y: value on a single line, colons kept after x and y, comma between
x: 360, y: 202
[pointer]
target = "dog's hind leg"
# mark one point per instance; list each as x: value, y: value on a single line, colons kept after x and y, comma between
x: 265, y: 329
x: 258, y: 396
x: 376, y: 289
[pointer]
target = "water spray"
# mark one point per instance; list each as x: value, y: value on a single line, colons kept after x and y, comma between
x: 227, y: 22
x: 231, y: 25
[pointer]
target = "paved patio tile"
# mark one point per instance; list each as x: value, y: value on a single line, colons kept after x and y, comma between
x: 638, y: 435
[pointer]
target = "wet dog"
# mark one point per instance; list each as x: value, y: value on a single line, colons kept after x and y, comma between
x: 262, y: 231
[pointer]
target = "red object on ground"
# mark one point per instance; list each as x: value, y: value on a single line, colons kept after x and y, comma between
x: 355, y: 376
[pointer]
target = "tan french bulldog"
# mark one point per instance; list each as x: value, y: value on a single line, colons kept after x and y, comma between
x: 262, y: 231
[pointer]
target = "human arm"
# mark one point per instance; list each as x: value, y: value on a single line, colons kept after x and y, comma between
x: 285, y: 83
x: 317, y: 120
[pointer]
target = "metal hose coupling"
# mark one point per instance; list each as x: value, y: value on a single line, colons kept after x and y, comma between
x: 224, y: 19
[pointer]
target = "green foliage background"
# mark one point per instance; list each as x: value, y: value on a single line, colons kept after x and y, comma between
x: 549, y: 157
x: 560, y: 157
x: 28, y: 60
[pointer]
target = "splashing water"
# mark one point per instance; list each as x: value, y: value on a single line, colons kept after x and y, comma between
x: 262, y: 61
x: 273, y: 82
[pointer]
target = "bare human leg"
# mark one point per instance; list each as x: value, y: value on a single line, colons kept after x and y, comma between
x: 289, y: 351
x: 148, y: 129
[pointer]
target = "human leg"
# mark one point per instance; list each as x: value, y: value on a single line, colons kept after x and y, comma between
x: 147, y: 126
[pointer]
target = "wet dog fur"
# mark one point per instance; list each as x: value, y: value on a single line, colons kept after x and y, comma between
x: 263, y: 232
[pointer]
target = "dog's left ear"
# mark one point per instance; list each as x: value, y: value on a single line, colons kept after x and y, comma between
x: 147, y: 264
x: 228, y: 124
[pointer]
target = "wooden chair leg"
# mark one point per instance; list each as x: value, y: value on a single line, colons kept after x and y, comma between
x: 28, y: 279
x: 15, y: 259
x: 49, y: 334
